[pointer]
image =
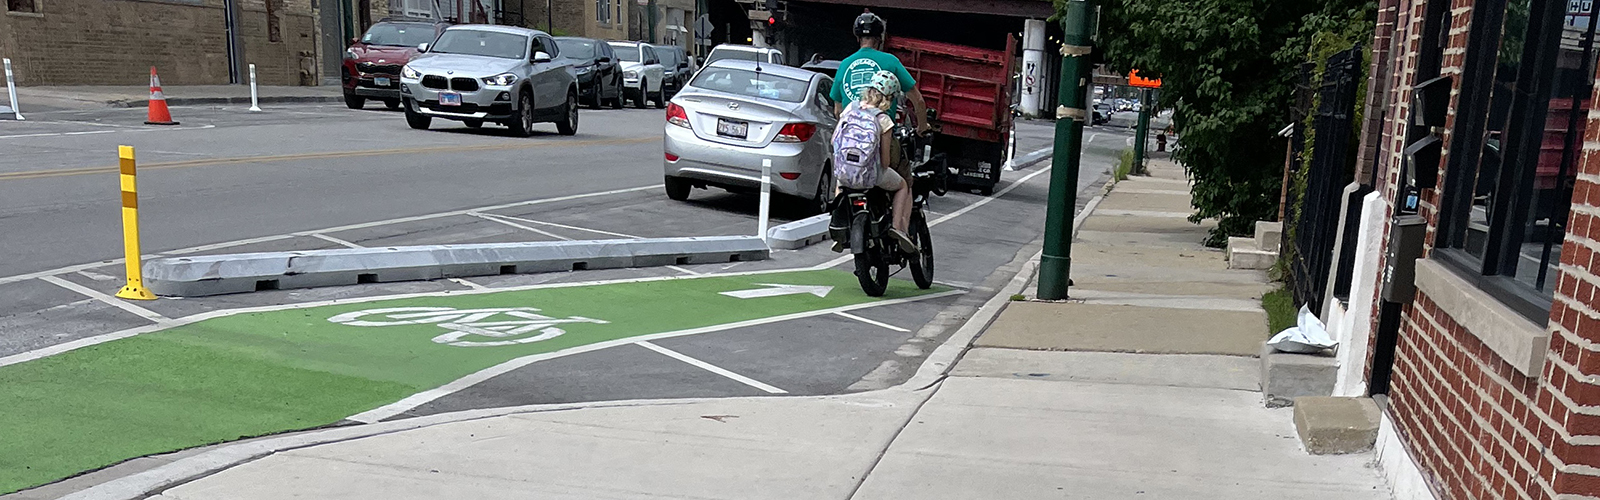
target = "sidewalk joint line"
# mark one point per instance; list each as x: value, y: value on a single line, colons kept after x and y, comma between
x: 492, y: 218
x: 710, y: 367
x: 872, y: 322
x: 108, y: 300
x: 335, y: 241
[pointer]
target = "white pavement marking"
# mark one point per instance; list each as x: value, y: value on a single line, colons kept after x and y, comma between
x: 364, y: 225
x: 335, y: 241
x: 421, y: 398
x: 89, y: 132
x: 872, y: 322
x: 96, y: 276
x: 564, y: 226
x: 710, y: 367
x: 1092, y: 136
x: 491, y: 218
x: 683, y: 270
x: 468, y: 284
x: 109, y: 300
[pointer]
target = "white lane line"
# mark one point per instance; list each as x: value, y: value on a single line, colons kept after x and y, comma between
x: 1092, y: 136
x: 872, y: 322
x: 451, y: 213
x: 710, y: 367
x: 464, y: 282
x: 564, y: 226
x: 335, y: 241
x: 57, y: 134
x: 96, y: 276
x: 109, y: 300
x: 364, y: 225
x: 491, y: 218
x: 422, y: 398
x: 683, y: 270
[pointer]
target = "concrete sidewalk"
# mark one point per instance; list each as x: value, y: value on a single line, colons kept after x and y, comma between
x: 93, y: 97
x: 1057, y: 400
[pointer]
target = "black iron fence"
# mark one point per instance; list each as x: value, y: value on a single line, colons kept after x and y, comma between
x: 1317, y: 227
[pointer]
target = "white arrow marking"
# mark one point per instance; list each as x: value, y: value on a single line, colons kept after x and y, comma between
x: 777, y: 290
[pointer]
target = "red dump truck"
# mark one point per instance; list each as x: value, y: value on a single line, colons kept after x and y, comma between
x: 970, y: 88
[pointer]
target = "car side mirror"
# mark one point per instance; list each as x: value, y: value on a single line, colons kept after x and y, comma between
x: 354, y: 41
x: 424, y: 47
x: 653, y: 61
x: 541, y: 57
x: 604, y: 60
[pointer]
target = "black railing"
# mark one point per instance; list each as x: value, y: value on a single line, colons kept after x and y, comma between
x: 1318, y: 224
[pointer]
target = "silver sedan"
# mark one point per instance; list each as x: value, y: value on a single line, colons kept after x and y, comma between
x: 734, y: 114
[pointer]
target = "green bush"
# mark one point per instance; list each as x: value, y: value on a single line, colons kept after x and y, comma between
x: 1125, y: 165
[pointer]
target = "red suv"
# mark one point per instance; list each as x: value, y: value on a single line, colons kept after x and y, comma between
x: 372, y: 63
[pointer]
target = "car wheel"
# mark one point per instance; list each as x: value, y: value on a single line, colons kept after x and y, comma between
x: 354, y: 101
x: 677, y: 188
x: 569, y: 126
x: 617, y: 103
x: 644, y: 95
x: 522, y: 125
x: 392, y: 104
x: 661, y: 98
x: 417, y: 120
x: 824, y: 196
x: 472, y: 123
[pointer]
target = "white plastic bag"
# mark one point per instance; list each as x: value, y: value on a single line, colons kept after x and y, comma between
x: 1310, y: 336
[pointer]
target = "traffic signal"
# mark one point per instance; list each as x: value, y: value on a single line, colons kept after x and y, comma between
x: 772, y: 8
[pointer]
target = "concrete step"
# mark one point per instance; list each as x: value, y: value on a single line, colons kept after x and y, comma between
x: 1269, y: 235
x: 1336, y: 426
x: 1244, y: 254
x: 1287, y: 376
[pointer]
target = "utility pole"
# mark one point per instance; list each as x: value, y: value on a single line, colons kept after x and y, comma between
x: 1055, y: 268
x: 1143, y: 132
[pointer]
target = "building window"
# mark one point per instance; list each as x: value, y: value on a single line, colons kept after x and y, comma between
x: 1525, y: 100
x: 21, y: 6
x: 602, y: 11
x: 274, y: 20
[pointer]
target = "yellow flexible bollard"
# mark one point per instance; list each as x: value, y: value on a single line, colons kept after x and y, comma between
x: 130, y: 227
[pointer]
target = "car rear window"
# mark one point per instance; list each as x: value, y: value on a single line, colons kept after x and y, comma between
x: 751, y: 84
x: 398, y: 35
x: 482, y: 43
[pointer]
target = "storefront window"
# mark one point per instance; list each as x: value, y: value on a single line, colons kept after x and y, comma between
x: 1505, y: 209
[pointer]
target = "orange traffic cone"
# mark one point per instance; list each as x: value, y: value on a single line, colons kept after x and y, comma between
x: 158, y: 103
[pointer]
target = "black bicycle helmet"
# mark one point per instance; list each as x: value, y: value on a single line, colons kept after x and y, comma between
x: 868, y: 24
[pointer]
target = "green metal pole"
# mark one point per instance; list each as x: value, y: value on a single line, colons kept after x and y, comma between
x: 1143, y: 131
x: 652, y: 19
x: 1055, y: 268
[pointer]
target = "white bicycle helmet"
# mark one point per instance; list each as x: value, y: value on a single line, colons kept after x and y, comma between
x: 885, y: 83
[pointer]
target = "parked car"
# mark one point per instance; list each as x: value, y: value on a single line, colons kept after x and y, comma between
x: 744, y: 52
x: 599, y: 74
x: 642, y: 73
x: 372, y: 63
x: 731, y: 116
x: 675, y: 68
x: 485, y: 73
x: 1102, y: 114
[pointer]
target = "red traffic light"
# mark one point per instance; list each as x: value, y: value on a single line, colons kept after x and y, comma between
x: 771, y: 20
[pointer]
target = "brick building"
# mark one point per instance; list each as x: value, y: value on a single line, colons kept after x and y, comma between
x: 598, y: 19
x: 1482, y: 150
x: 115, y: 42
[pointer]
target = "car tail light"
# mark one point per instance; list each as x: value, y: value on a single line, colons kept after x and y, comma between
x: 677, y: 116
x: 789, y: 175
x: 796, y: 132
x: 672, y: 157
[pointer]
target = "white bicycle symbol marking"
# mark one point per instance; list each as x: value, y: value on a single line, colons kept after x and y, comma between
x: 464, y: 322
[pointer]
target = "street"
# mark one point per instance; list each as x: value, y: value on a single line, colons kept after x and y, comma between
x: 301, y: 177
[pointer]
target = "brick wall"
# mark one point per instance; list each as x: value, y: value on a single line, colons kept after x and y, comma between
x: 1478, y: 427
x: 115, y: 42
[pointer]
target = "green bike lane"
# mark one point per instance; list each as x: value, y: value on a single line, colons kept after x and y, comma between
x: 259, y: 373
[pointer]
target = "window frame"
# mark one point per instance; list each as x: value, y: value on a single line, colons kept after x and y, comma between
x: 33, y: 5
x: 1513, y: 193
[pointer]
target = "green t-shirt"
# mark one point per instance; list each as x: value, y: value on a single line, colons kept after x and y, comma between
x: 855, y: 74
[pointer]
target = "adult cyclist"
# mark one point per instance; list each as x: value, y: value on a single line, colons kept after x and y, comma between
x: 856, y: 71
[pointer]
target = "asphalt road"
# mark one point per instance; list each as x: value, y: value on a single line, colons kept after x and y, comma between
x: 305, y: 177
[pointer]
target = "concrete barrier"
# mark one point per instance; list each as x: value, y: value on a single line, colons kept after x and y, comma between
x: 800, y: 233
x: 237, y: 273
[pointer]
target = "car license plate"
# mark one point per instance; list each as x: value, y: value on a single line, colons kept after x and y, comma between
x: 732, y: 128
x: 382, y: 81
x: 449, y: 99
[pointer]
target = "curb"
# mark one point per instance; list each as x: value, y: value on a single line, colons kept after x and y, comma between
x: 800, y: 233
x: 212, y: 101
x: 204, y: 275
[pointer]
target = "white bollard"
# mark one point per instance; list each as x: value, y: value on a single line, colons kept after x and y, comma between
x: 255, y: 106
x: 1011, y: 151
x: 766, y: 198
x: 11, y: 89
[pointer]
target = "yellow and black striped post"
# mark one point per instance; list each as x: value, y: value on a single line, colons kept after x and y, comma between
x: 130, y: 227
